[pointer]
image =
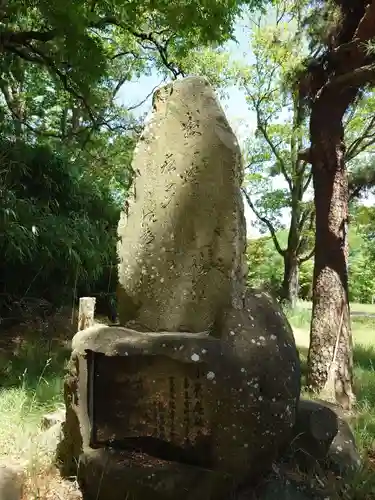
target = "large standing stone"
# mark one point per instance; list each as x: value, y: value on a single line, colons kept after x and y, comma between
x: 182, y: 244
x: 201, y: 381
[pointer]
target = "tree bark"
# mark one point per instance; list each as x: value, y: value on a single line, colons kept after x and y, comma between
x: 331, y: 347
x: 290, y: 285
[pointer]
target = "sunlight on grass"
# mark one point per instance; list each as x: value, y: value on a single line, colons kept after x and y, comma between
x: 299, y: 317
x: 21, y: 412
x: 354, y: 306
x: 32, y: 386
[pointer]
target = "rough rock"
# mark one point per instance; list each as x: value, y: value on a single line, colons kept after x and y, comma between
x: 315, y: 428
x: 260, y: 384
x: 182, y: 239
x: 139, y: 477
x: 248, y: 390
x: 343, y: 453
x: 12, y: 479
x: 323, y: 434
x: 49, y: 440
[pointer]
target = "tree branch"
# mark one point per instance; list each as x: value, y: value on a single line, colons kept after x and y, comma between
x: 355, y: 147
x: 23, y: 54
x: 305, y: 215
x: 51, y: 66
x: 22, y: 37
x: 134, y: 106
x: 265, y: 221
x: 308, y: 180
x: 307, y: 257
x: 356, y: 78
x: 263, y: 129
x: 162, y: 48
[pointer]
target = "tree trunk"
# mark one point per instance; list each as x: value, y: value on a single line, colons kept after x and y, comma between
x: 330, y: 363
x: 290, y: 286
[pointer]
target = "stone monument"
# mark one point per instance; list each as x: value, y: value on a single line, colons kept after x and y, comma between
x: 195, y: 394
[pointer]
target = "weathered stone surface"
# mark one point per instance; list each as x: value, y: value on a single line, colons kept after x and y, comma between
x: 226, y: 404
x: 202, y: 372
x: 315, y: 428
x: 182, y: 244
x: 49, y: 440
x: 260, y: 385
x: 12, y: 478
x: 285, y: 487
x: 343, y: 454
x: 121, y: 474
x: 322, y: 433
x: 70, y: 447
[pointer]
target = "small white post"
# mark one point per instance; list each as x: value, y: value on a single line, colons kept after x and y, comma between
x: 86, y: 312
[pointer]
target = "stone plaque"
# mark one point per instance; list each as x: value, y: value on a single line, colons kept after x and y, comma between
x: 138, y: 397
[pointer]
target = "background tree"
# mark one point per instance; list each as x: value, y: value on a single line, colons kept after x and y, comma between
x: 266, y: 265
x: 277, y: 179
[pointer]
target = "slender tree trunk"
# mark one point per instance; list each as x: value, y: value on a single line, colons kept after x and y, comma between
x: 330, y: 363
x: 290, y: 285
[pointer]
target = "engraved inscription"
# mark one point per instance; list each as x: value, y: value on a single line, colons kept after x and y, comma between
x: 186, y: 410
x: 172, y: 407
x: 190, y: 127
x: 151, y: 396
x: 168, y: 164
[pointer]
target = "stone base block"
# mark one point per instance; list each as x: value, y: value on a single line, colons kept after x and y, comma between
x: 106, y: 474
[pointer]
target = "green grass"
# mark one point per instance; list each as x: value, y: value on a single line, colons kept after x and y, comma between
x: 354, y: 306
x: 31, y: 379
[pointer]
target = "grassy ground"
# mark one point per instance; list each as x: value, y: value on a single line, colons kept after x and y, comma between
x: 354, y: 306
x: 31, y: 380
x: 31, y: 372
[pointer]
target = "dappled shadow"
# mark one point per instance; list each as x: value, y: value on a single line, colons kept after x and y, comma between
x: 364, y: 357
x: 33, y: 357
x: 364, y: 363
x: 37, y: 367
x: 30, y: 361
x: 303, y: 351
x: 192, y: 230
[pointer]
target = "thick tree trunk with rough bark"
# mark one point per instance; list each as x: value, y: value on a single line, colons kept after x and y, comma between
x: 330, y: 361
x: 330, y: 85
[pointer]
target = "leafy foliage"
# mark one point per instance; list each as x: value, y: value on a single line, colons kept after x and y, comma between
x: 266, y: 265
x: 59, y: 229
x: 67, y: 142
x: 277, y: 180
x: 278, y: 174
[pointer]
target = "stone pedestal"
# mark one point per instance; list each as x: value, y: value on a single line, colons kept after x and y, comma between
x: 220, y: 409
